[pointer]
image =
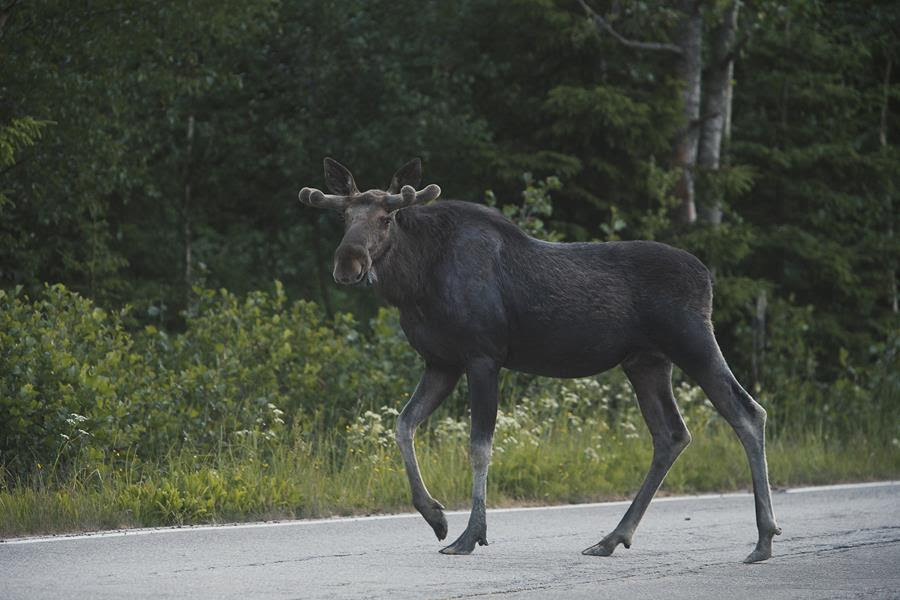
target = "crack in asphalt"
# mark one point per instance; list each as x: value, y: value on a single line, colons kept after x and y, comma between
x: 258, y: 564
x: 844, y: 548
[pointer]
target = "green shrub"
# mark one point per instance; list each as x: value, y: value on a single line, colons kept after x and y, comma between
x: 262, y: 408
x: 75, y: 385
x: 78, y: 391
x: 68, y: 374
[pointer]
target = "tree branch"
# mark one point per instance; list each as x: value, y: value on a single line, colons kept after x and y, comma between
x: 602, y: 23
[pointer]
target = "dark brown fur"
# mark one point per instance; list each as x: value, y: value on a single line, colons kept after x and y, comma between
x: 476, y: 294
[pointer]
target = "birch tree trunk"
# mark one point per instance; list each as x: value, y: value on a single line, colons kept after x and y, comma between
x: 715, y: 129
x: 687, y: 46
x: 690, y: 70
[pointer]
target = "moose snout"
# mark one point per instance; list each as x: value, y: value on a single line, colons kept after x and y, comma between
x: 350, y: 264
x: 348, y: 275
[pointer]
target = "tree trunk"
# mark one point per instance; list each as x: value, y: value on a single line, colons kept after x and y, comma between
x: 186, y: 214
x: 759, y: 336
x: 717, y: 108
x: 882, y: 138
x: 690, y: 70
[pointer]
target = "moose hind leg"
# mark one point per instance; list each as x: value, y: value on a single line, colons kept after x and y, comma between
x: 748, y: 419
x: 651, y: 377
x: 482, y: 378
x: 435, y: 385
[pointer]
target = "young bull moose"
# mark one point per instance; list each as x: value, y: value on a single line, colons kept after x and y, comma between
x: 475, y: 294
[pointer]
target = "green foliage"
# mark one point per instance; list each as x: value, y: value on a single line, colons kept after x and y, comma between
x: 20, y: 133
x: 78, y: 389
x: 261, y: 409
x: 69, y: 373
x: 536, y: 206
x: 572, y: 461
x: 821, y: 209
x: 99, y: 201
x: 76, y: 385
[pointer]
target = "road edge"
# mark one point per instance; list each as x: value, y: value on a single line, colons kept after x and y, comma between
x: 333, y: 520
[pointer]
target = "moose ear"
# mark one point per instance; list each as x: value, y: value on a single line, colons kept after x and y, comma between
x: 338, y: 179
x: 408, y: 174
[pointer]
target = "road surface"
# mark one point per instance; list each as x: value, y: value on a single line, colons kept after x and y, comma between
x: 838, y: 542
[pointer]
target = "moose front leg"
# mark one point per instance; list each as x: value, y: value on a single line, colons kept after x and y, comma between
x: 482, y: 379
x: 435, y: 385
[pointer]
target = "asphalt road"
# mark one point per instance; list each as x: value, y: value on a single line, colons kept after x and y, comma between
x: 838, y: 542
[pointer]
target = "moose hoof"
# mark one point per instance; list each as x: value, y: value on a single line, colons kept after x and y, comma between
x: 433, y: 512
x: 763, y: 549
x: 439, y: 525
x: 606, y: 546
x: 465, y: 544
x: 758, y: 555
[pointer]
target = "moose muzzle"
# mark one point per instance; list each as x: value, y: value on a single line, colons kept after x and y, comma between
x: 351, y: 263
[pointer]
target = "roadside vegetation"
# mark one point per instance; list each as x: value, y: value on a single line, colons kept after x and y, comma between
x: 263, y: 409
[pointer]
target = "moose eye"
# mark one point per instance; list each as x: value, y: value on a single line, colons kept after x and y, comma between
x: 385, y: 221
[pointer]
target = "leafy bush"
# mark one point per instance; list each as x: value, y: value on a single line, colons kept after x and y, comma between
x: 77, y: 390
x: 76, y: 384
x: 69, y: 375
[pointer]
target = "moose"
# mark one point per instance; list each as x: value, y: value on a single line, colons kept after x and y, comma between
x: 477, y: 294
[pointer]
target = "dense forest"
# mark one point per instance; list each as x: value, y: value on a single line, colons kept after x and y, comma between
x: 151, y: 151
x: 150, y: 147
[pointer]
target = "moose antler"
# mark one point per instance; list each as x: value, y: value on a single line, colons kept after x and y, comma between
x: 315, y: 198
x: 409, y: 196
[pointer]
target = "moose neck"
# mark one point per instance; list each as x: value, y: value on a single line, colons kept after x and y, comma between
x: 403, y: 271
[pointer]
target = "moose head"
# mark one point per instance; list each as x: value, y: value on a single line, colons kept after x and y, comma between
x: 368, y: 216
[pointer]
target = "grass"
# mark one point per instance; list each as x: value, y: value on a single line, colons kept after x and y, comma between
x: 258, y: 479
